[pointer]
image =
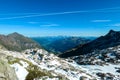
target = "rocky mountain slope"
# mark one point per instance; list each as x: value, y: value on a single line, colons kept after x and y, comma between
x: 100, y: 57
x: 109, y: 40
x: 104, y: 63
x: 38, y: 64
x: 17, y: 42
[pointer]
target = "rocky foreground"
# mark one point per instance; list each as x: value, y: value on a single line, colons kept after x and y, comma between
x: 38, y: 64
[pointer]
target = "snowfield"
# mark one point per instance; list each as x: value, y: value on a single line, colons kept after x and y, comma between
x: 110, y: 68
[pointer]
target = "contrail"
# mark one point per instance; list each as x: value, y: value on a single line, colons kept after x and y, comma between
x: 61, y: 13
x: 47, y: 14
x: 19, y: 13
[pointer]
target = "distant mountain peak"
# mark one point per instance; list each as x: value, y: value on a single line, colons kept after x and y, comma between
x: 15, y: 34
x: 113, y: 33
x: 17, y: 42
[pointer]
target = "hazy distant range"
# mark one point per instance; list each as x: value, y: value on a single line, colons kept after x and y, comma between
x: 60, y: 44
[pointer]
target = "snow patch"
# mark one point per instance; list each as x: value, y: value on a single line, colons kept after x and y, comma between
x: 20, y: 71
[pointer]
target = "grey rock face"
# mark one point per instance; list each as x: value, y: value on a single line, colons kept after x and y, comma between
x: 6, y: 72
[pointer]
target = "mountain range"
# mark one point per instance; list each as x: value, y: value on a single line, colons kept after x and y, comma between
x: 97, y: 59
x: 61, y: 44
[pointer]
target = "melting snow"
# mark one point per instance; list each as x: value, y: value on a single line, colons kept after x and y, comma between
x: 20, y: 71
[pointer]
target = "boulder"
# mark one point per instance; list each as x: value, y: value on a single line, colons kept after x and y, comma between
x: 83, y: 78
x: 7, y: 72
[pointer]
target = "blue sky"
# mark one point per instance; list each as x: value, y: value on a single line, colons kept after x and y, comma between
x: 59, y: 17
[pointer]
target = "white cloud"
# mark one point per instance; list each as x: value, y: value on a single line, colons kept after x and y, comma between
x: 33, y: 22
x: 101, y: 21
x: 116, y: 25
x: 49, y: 25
